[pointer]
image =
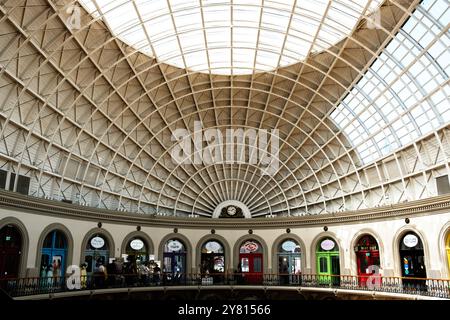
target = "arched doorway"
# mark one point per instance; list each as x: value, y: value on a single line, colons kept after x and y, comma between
x: 367, y: 258
x: 412, y: 261
x: 10, y: 252
x: 54, y: 255
x: 289, y: 261
x: 212, y: 260
x: 251, y: 261
x: 137, y: 250
x: 96, y: 252
x: 174, y: 258
x: 328, y: 269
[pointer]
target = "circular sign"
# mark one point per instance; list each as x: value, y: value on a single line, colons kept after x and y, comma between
x: 97, y: 242
x: 327, y: 245
x: 174, y: 245
x: 213, y: 246
x: 410, y: 240
x: 250, y: 246
x: 137, y: 244
x: 289, y: 246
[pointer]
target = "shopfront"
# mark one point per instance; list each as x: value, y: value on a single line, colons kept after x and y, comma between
x: 251, y: 261
x: 10, y: 252
x: 327, y: 254
x: 174, y: 257
x: 289, y: 262
x: 212, y: 260
x: 137, y: 250
x: 54, y: 255
x: 96, y: 252
x: 412, y: 261
x: 367, y: 258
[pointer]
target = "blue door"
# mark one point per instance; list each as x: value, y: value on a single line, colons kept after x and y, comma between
x: 54, y: 255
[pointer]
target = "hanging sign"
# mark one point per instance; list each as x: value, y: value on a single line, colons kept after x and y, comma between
x: 410, y: 240
x: 289, y: 246
x: 250, y: 246
x: 174, y: 245
x: 327, y: 245
x: 213, y: 246
x: 97, y: 242
x: 137, y: 244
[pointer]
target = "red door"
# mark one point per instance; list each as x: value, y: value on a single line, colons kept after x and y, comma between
x: 252, y: 267
x: 368, y: 265
x: 9, y: 263
x: 10, y: 246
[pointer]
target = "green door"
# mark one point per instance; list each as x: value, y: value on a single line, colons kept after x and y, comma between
x: 327, y: 265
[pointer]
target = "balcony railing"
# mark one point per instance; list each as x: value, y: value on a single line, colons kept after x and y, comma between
x: 438, y: 288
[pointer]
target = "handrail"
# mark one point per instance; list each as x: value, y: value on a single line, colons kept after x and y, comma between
x: 439, y: 288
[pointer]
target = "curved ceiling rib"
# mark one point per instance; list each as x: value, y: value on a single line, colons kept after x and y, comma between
x: 90, y: 118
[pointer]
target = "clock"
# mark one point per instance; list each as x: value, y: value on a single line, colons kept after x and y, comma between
x: 231, y: 210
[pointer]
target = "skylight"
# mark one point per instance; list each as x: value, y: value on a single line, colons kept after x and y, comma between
x: 230, y: 37
x: 405, y: 93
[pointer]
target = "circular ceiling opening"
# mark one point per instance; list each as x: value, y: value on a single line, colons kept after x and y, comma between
x: 230, y: 37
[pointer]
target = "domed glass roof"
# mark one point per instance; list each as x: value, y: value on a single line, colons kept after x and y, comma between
x: 231, y: 36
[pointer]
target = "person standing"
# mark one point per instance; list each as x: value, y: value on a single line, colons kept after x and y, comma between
x: 83, y: 274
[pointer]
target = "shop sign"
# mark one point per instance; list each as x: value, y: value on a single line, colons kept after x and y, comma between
x: 174, y: 245
x: 250, y: 246
x: 213, y: 246
x: 327, y: 245
x: 410, y: 240
x: 137, y: 244
x: 289, y: 246
x: 97, y: 242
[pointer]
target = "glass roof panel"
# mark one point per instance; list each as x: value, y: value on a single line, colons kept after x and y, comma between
x: 230, y: 37
x: 406, y: 85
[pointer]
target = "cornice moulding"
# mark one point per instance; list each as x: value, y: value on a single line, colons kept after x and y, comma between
x: 17, y: 201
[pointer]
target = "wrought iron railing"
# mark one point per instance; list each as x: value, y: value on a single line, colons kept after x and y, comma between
x: 439, y: 288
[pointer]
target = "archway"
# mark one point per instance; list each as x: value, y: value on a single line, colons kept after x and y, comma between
x: 289, y: 261
x: 175, y: 259
x: 327, y: 263
x: 137, y: 249
x: 251, y: 261
x: 54, y: 255
x: 96, y: 252
x: 367, y: 258
x: 412, y: 260
x: 212, y: 260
